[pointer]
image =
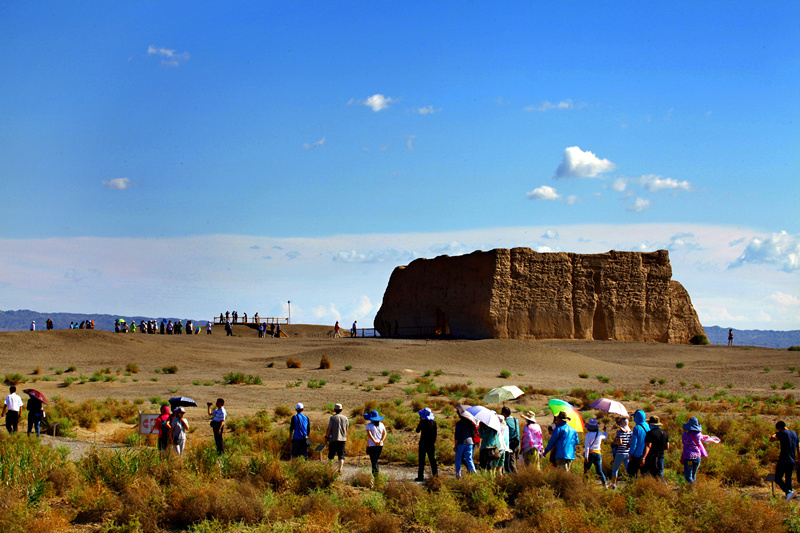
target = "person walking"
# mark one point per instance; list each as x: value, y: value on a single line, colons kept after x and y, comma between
x: 693, y: 449
x: 179, y: 428
x: 512, y: 455
x: 218, y: 423
x: 563, y: 441
x: 336, y: 435
x: 489, y: 456
x: 11, y: 407
x: 656, y: 443
x: 228, y: 329
x: 637, y: 443
x: 593, y: 449
x: 786, y: 460
x: 532, y: 440
x: 376, y: 436
x: 35, y: 414
x: 353, y: 330
x: 427, y: 442
x: 336, y: 330
x: 620, y: 449
x: 465, y: 444
x: 299, y: 428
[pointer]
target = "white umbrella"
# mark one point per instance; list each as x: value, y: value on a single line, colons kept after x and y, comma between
x: 502, y: 394
x: 487, y: 416
x: 610, y: 406
x: 462, y: 410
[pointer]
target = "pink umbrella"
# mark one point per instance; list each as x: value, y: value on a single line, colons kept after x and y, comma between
x: 610, y: 406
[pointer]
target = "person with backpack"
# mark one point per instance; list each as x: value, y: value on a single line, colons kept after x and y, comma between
x: 620, y: 449
x: 693, y: 449
x: 218, y: 423
x: 299, y: 428
x: 532, y: 440
x: 512, y: 455
x: 162, y: 424
x: 637, y: 443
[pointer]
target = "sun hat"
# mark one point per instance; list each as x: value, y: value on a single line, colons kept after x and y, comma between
x: 426, y: 414
x: 592, y: 425
x: 622, y: 421
x: 654, y: 420
x: 337, y: 407
x: 374, y: 416
x: 563, y: 416
x: 299, y: 407
x: 693, y: 425
x: 366, y: 415
x: 530, y: 416
x: 180, y: 410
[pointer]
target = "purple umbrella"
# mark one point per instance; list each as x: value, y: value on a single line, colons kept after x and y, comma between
x: 610, y: 406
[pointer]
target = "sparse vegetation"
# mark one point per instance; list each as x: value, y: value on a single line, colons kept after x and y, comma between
x: 583, y: 375
x: 505, y: 374
x: 15, y: 379
x: 794, y: 348
x: 239, y: 378
x: 348, y: 367
x: 699, y: 340
x: 172, y: 369
x: 680, y: 365
x: 603, y: 379
x: 767, y: 369
x: 316, y: 383
x: 324, y: 363
x: 133, y: 368
x: 291, y: 363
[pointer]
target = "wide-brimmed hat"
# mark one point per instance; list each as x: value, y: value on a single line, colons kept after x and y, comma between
x: 592, y: 424
x: 654, y: 420
x: 693, y: 425
x: 366, y: 415
x: 299, y: 407
x: 180, y: 410
x: 530, y: 416
x: 563, y: 416
x: 374, y: 416
x: 426, y: 414
x: 337, y: 407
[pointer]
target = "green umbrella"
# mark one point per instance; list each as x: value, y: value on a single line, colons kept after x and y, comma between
x: 503, y: 394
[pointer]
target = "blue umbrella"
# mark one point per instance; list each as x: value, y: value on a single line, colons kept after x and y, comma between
x: 182, y: 401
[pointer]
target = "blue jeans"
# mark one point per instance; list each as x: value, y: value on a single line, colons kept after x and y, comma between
x: 464, y: 452
x: 34, y: 422
x: 619, y: 460
x: 655, y: 467
x: 690, y: 467
x: 595, y: 459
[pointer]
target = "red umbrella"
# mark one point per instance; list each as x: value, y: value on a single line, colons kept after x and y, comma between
x: 36, y: 394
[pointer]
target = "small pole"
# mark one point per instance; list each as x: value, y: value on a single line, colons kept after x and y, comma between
x: 289, y: 320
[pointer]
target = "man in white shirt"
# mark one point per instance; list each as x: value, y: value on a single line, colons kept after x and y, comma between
x: 11, y: 409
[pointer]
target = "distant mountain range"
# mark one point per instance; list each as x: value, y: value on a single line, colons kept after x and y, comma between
x: 21, y: 320
x: 754, y: 337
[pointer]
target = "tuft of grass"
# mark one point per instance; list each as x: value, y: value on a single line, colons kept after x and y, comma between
x: 59, y: 372
x: 133, y: 368
x: 767, y: 369
x: 72, y: 368
x: 37, y: 371
x: 794, y: 348
x: 394, y: 378
x: 385, y: 372
x: 662, y: 381
x: 316, y: 383
x: 699, y: 340
x: 583, y: 375
x: 292, y: 363
x: 774, y: 386
x: 172, y: 369
x: 602, y: 378
x: 729, y: 385
x: 271, y: 364
x: 787, y: 385
x: 68, y: 381
x: 680, y: 365
x: 697, y: 385
x: 348, y: 367
x: 283, y: 410
x: 438, y: 372
x: 324, y: 363
x: 239, y: 378
x: 505, y: 374
x: 15, y: 379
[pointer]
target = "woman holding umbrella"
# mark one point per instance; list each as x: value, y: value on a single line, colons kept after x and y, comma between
x: 180, y: 426
x: 35, y: 410
x: 490, y: 456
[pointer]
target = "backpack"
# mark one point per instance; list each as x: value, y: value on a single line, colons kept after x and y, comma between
x: 476, y: 436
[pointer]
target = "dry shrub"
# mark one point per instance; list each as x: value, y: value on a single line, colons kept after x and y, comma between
x: 573, y: 488
x: 44, y: 520
x: 324, y: 363
x: 62, y: 478
x: 648, y: 487
x: 362, y: 479
x: 283, y: 411
x: 292, y: 363
x: 141, y: 501
x: 526, y: 477
x: 534, y: 501
x: 91, y: 502
x: 383, y: 523
x: 310, y: 475
x: 711, y: 508
x: 319, y: 508
x: 240, y: 502
x: 403, y: 494
x: 224, y: 501
x: 461, y: 523
x: 480, y: 494
x: 268, y: 471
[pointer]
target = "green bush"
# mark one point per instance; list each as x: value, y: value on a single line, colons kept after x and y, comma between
x: 794, y: 348
x: 505, y: 374
x: 699, y: 340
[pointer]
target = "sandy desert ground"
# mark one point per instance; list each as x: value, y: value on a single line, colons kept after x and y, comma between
x: 203, y: 360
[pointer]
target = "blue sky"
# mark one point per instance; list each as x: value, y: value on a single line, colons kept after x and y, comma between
x: 241, y: 155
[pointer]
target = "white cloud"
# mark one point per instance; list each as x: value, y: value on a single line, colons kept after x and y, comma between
x: 169, y: 57
x: 655, y: 183
x: 118, y: 183
x: 639, y: 205
x: 429, y: 110
x: 543, y: 193
x: 571, y: 199
x: 451, y: 248
x: 314, y: 145
x: 410, y: 142
x: 550, y: 234
x: 780, y: 249
x: 378, y: 102
x: 375, y: 256
x: 547, y: 106
x: 619, y: 184
x: 579, y: 164
x: 785, y: 299
x: 544, y: 249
